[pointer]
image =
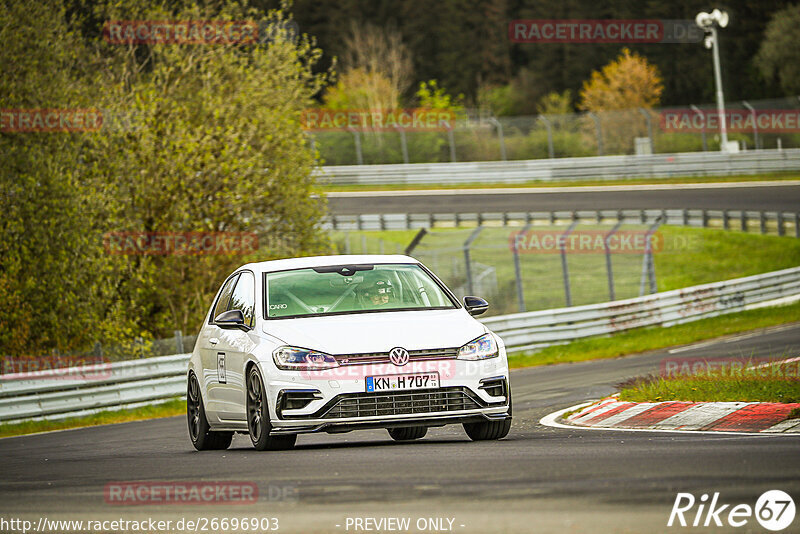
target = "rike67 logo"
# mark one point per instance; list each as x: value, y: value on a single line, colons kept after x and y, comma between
x: 774, y: 510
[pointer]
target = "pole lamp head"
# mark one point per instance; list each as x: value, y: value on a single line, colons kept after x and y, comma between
x: 715, y: 18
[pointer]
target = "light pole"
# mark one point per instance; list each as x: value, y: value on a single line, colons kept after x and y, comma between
x: 709, y: 22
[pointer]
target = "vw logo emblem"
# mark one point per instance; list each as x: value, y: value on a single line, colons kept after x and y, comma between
x: 398, y: 356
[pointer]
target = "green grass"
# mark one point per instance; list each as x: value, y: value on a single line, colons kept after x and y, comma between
x: 166, y: 409
x: 654, y: 338
x: 566, y: 183
x: 711, y: 389
x: 693, y: 256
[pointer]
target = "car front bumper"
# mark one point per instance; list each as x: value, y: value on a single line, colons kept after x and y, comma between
x: 341, y: 403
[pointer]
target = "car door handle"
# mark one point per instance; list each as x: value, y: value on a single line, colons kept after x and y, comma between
x: 213, y: 341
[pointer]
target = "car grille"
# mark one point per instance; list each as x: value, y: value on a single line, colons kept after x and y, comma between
x: 383, y: 357
x: 450, y: 399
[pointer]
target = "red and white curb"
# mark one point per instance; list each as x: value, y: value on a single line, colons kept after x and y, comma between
x: 727, y: 417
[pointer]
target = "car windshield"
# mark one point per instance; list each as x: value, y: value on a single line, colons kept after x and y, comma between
x: 352, y: 289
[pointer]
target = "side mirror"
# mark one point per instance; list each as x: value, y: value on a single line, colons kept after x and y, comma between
x: 231, y: 319
x: 475, y: 305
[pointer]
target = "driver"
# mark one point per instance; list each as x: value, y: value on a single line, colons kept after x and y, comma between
x: 377, y: 292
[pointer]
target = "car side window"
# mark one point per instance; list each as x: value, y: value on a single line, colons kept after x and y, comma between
x: 244, y: 297
x: 224, y: 297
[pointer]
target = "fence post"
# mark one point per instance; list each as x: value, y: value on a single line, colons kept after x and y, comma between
x: 179, y: 341
x: 648, y: 265
x: 797, y: 224
x: 743, y: 217
x: 467, y: 244
x: 649, y: 129
x: 518, y: 270
x: 359, y: 155
x: 611, y: 294
x: 403, y: 144
x: 414, y: 242
x: 726, y: 223
x: 780, y: 223
x: 755, y: 126
x: 703, y: 131
x: 551, y: 152
x: 564, y: 267
x: 496, y: 123
x: 762, y: 221
x: 597, y: 127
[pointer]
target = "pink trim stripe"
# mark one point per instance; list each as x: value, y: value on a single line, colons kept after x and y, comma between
x: 656, y: 414
x: 753, y: 418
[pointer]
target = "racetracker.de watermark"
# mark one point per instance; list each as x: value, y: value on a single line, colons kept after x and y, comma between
x: 55, y: 367
x: 599, y: 31
x: 197, y: 32
x: 585, y: 242
x: 179, y: 243
x: 180, y: 492
x: 731, y: 367
x: 65, y: 120
x: 378, y: 120
x: 736, y: 120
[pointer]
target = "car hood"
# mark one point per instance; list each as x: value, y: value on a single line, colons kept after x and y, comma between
x: 378, y: 332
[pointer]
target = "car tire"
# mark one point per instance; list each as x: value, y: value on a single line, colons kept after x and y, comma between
x: 258, y: 417
x: 203, y: 438
x: 407, y: 433
x: 490, y: 429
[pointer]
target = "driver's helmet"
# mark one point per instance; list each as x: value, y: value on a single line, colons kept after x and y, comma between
x: 377, y: 291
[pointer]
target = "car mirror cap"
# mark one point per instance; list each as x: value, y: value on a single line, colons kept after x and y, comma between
x: 231, y: 319
x: 475, y: 305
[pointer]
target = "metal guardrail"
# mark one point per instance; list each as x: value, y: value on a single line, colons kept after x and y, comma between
x: 562, y: 169
x: 53, y: 394
x: 135, y: 382
x: 549, y: 327
x: 782, y: 223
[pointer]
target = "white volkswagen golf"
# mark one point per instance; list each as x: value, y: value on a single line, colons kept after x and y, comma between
x: 339, y: 343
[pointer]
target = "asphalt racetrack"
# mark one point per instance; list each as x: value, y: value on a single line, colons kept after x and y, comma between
x: 538, y: 479
x: 770, y: 196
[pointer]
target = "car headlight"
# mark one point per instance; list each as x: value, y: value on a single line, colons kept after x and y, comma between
x: 297, y: 359
x: 483, y: 348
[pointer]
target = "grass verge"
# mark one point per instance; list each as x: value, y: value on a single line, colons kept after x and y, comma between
x: 711, y: 389
x: 166, y: 409
x: 567, y: 183
x: 653, y: 338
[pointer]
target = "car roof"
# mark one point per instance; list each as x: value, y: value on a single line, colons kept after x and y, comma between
x: 323, y: 261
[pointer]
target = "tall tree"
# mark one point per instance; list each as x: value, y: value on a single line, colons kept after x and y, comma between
x: 779, y: 55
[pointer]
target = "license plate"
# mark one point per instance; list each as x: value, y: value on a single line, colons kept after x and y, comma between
x: 402, y: 382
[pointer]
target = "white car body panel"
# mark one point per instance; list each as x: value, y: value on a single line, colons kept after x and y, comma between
x: 337, y: 335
